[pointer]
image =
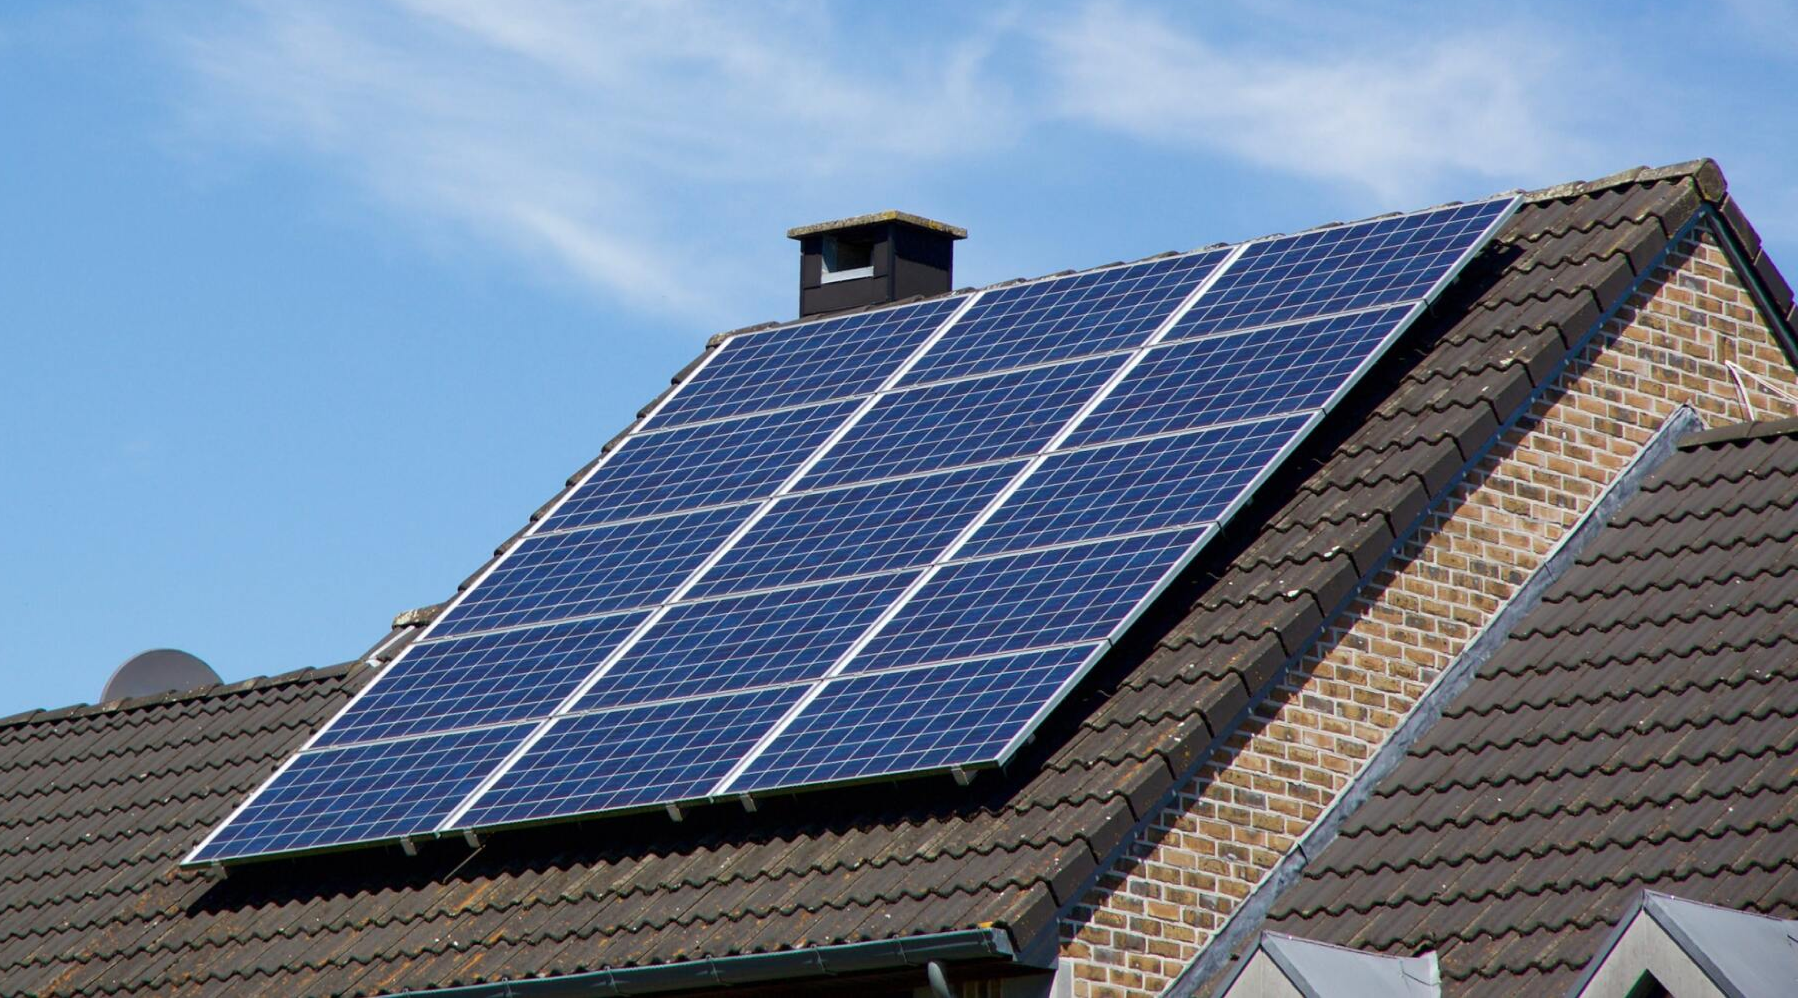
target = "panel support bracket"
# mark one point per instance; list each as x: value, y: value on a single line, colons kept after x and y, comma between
x: 408, y: 846
x: 674, y: 812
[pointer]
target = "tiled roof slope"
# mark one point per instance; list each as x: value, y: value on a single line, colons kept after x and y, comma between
x: 98, y: 803
x: 1640, y: 729
x: 915, y: 857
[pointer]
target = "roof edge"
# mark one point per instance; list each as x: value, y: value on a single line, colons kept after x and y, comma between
x: 812, y: 962
x: 1760, y: 429
x: 42, y: 715
x: 1705, y: 173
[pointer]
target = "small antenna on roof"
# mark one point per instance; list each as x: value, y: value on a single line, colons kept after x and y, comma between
x: 159, y: 670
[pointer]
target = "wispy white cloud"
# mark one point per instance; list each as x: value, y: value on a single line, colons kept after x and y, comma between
x: 612, y: 141
x: 550, y: 126
x: 1421, y: 106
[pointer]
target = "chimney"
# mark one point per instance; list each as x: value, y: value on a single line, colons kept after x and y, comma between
x: 872, y: 260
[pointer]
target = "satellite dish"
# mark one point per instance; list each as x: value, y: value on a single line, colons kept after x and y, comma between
x: 160, y: 670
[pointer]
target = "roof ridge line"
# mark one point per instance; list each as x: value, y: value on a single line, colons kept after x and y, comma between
x: 718, y: 338
x: 1739, y: 433
x: 1704, y: 172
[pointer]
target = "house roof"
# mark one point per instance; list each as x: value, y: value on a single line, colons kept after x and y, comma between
x: 100, y: 802
x: 1636, y: 731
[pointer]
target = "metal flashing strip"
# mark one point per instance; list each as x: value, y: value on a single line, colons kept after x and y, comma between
x: 1460, y: 673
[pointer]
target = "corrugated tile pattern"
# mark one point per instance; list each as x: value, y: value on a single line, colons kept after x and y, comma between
x: 99, y: 805
x: 1640, y: 729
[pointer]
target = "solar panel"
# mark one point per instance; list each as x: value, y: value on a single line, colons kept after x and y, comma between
x: 1013, y: 602
x: 939, y: 716
x: 1236, y: 376
x: 364, y: 793
x: 707, y: 464
x: 883, y: 526
x: 863, y: 546
x: 481, y: 679
x: 736, y: 642
x: 618, y: 566
x: 1342, y: 268
x: 962, y: 422
x: 645, y: 755
x: 1093, y: 312
x: 1140, y: 485
x: 831, y: 359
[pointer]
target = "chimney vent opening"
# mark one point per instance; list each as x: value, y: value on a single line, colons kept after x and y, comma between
x: 847, y: 258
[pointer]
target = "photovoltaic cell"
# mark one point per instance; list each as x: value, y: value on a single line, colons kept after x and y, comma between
x: 735, y: 642
x: 597, y: 570
x: 1064, y: 317
x: 880, y: 527
x: 364, y: 793
x: 481, y: 679
x: 884, y: 723
x: 1142, y: 485
x: 1246, y: 375
x: 706, y: 465
x: 1338, y: 269
x: 652, y: 754
x: 832, y: 359
x: 1036, y: 598
x: 962, y: 422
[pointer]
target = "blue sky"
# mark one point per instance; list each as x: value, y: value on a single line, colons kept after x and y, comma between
x: 308, y: 304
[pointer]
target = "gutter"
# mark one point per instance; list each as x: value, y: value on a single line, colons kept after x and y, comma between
x: 788, y: 966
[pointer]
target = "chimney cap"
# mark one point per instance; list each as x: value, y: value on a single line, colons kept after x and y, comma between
x: 876, y: 218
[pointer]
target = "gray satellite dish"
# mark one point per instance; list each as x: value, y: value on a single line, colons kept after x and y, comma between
x: 160, y: 670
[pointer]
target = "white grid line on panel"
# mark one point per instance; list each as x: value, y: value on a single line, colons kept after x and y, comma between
x: 637, y: 635
x: 979, y: 520
x: 723, y: 787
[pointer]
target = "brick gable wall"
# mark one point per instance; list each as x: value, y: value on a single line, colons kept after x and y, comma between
x: 1225, y: 831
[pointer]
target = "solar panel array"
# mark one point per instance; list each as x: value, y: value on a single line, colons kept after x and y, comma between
x: 863, y: 546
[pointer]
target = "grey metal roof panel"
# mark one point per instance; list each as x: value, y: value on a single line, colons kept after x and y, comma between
x: 1320, y: 970
x: 1743, y: 954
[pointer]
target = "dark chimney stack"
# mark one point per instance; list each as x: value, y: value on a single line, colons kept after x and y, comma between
x: 872, y: 260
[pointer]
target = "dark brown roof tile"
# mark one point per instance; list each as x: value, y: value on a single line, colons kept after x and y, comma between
x: 1637, y: 731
